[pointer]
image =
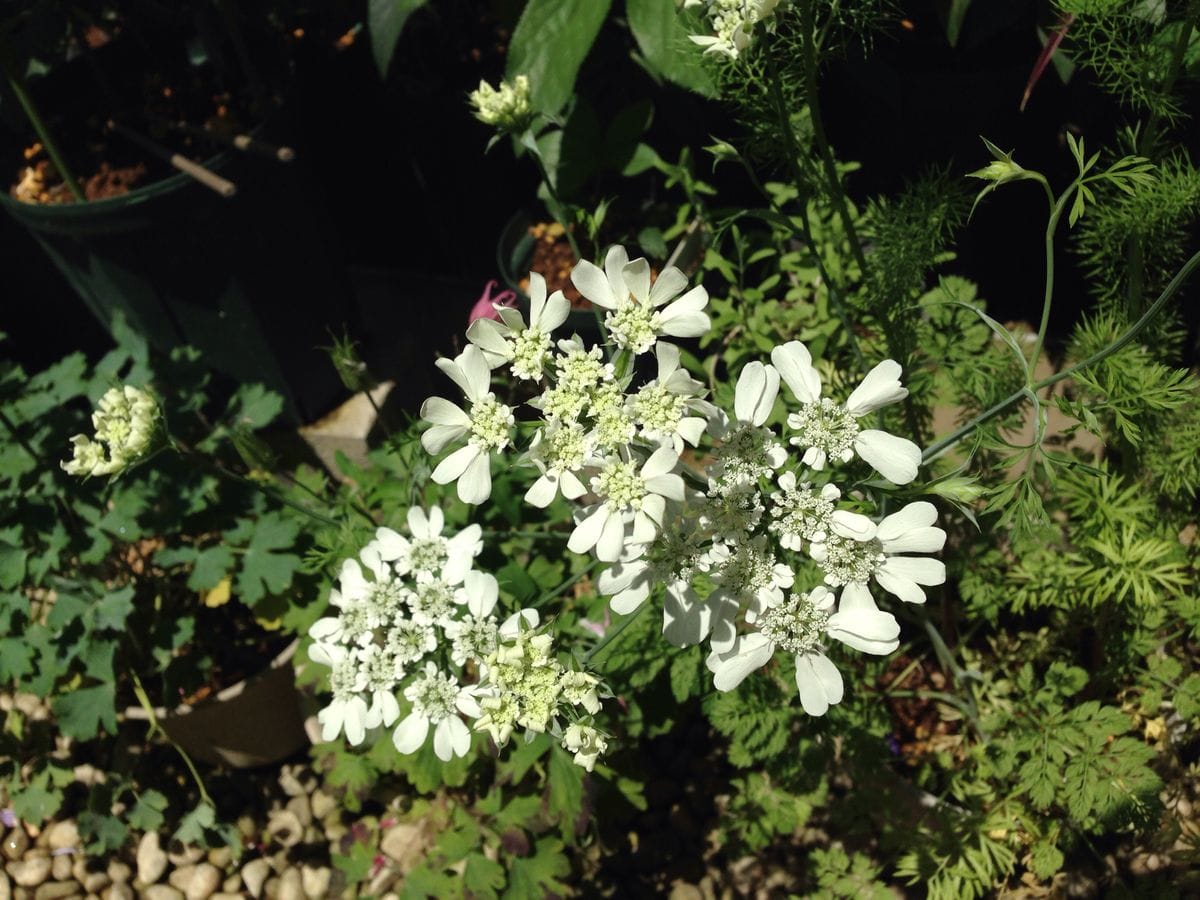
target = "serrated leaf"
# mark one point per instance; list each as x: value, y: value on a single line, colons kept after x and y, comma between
x: 566, y: 791
x: 663, y: 40
x: 255, y: 405
x: 265, y: 568
x: 82, y: 712
x: 482, y: 876
x: 147, y: 812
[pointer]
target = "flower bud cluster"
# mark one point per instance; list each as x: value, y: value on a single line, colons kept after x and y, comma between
x: 127, y: 429
x: 731, y: 22
x: 506, y: 108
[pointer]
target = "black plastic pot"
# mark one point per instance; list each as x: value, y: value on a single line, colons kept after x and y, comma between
x: 251, y: 280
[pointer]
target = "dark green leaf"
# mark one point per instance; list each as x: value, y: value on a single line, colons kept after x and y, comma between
x: 549, y: 45
x: 385, y: 21
x: 663, y: 40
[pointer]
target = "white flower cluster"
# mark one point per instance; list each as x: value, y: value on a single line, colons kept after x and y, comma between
x: 506, y: 108
x: 732, y: 23
x: 126, y: 425
x: 721, y: 549
x: 413, y: 618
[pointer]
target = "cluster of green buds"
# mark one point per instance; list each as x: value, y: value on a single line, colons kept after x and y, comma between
x: 126, y: 422
x: 506, y: 108
x: 523, y: 685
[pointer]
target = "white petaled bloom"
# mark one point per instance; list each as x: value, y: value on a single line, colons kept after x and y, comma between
x: 629, y: 495
x: 638, y: 311
x: 487, y: 427
x: 381, y: 671
x: 474, y: 636
x: 408, y: 641
x: 732, y: 23
x: 579, y: 689
x: 747, y: 574
x: 427, y: 553
x: 437, y: 699
x: 433, y: 602
x: 586, y: 743
x: 748, y: 451
x: 854, y: 553
x: 362, y: 603
x: 614, y: 427
x: 126, y: 424
x: 661, y: 408
x: 828, y: 430
x: 578, y: 372
x: 521, y: 683
x: 671, y: 560
x: 799, y: 626
x: 730, y: 508
x: 347, y: 711
x: 801, y: 512
x: 527, y: 349
x: 506, y: 108
x: 559, y: 452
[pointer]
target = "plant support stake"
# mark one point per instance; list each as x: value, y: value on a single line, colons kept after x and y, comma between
x: 209, y: 179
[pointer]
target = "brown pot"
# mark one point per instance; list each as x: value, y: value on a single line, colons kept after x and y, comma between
x: 253, y: 723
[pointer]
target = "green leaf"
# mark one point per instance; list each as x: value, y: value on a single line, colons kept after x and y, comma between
x: 16, y: 659
x: 106, y: 831
x: 385, y: 21
x: 37, y: 800
x: 550, y: 42
x: 1045, y: 859
x: 566, y: 791
x: 483, y: 877
x: 113, y: 609
x: 12, y: 565
x: 265, y: 570
x: 663, y: 40
x: 253, y: 404
x: 211, y: 565
x: 537, y: 875
x: 687, y: 674
x: 82, y: 712
x: 147, y: 813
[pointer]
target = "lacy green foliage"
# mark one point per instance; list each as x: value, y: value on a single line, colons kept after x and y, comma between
x: 762, y: 810
x: 962, y: 861
x: 1130, y: 48
x: 842, y: 876
x: 1129, y: 392
x: 1157, y: 217
x: 756, y: 718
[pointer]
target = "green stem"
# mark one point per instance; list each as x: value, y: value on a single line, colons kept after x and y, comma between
x: 570, y: 582
x: 144, y: 700
x: 379, y: 416
x: 17, y: 82
x: 809, y: 52
x: 534, y: 535
x: 530, y: 143
x: 614, y: 633
x: 1056, y: 211
x: 939, y: 447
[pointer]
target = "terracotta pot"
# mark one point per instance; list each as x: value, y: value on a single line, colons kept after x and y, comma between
x: 255, y: 722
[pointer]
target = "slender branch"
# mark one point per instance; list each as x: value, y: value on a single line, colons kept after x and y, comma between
x: 939, y: 447
x: 144, y: 700
x: 614, y: 633
x: 1056, y: 211
x: 17, y: 82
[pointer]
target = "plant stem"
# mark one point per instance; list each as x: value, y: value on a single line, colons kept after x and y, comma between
x: 530, y: 143
x: 939, y: 447
x: 809, y: 51
x: 534, y: 535
x: 1056, y: 211
x: 17, y: 82
x: 614, y: 633
x: 144, y: 699
x: 570, y: 582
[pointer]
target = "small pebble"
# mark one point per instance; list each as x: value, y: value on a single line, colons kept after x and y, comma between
x: 161, y: 892
x: 16, y: 842
x: 118, y: 871
x: 285, y: 827
x: 204, y: 882
x: 118, y: 891
x: 315, y: 880
x: 254, y: 873
x: 60, y: 869
x: 63, y: 836
x: 56, y: 890
x: 220, y: 857
x: 151, y: 859
x: 291, y: 886
x: 5, y: 887
x: 232, y: 885
x: 322, y: 804
x: 180, y: 854
x: 95, y: 882
x: 226, y: 895
x: 302, y: 809
x: 29, y: 872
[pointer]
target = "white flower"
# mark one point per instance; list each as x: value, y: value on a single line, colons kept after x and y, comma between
x: 361, y: 603
x: 427, y: 554
x: 828, y: 430
x: 507, y: 107
x: 747, y: 573
x: 660, y: 408
x: 639, y: 312
x: 586, y: 743
x: 579, y: 689
x: 126, y: 430
x: 381, y: 671
x: 558, y: 451
x: 474, y: 636
x: 348, y: 710
x: 799, y: 627
x: 578, y: 373
x: 486, y: 426
x: 437, y: 699
x: 854, y: 552
x: 628, y: 495
x: 732, y: 23
x: 671, y: 561
x: 408, y: 641
x: 800, y: 512
x: 527, y: 349
x: 748, y: 451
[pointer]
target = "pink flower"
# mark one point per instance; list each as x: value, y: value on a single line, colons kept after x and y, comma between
x: 485, y: 306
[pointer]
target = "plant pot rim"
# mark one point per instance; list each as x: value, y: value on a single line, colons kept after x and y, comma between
x: 283, y: 658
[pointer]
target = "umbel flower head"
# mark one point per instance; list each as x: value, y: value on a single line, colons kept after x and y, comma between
x: 505, y: 108
x: 732, y: 23
x: 126, y: 423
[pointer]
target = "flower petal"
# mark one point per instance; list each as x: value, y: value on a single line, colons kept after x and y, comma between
x: 636, y: 276
x: 483, y: 590
x: 588, y: 531
x: 880, y: 388
x: 455, y: 464
x: 757, y: 388
x: 670, y: 281
x: 542, y: 492
x: 750, y: 652
x: 590, y: 281
x: 475, y: 485
x: 819, y: 683
x: 794, y: 363
x: 895, y: 458
x: 611, y: 542
x: 554, y: 313
x: 410, y: 734
x: 440, y: 411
